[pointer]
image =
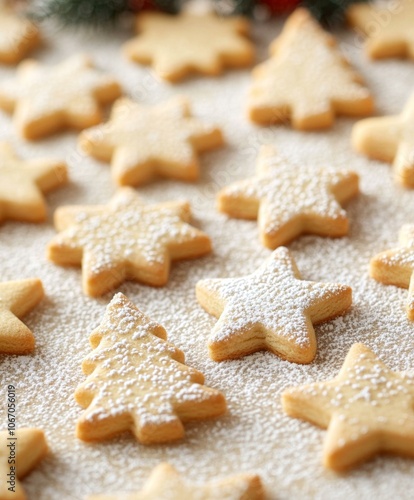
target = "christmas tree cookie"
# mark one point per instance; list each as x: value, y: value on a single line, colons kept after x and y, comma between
x: 138, y: 382
x: 44, y: 100
x: 390, y: 139
x: 25, y: 448
x: 289, y: 201
x: 23, y: 182
x: 272, y: 309
x: 18, y: 35
x: 306, y: 90
x: 388, y: 27
x: 367, y: 409
x: 143, y: 142
x: 165, y: 483
x: 125, y: 240
x: 396, y: 266
x: 17, y: 298
x: 189, y: 43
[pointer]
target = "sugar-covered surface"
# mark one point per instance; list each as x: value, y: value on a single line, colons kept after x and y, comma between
x: 255, y: 436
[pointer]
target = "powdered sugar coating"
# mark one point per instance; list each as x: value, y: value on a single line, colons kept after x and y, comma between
x: 133, y: 372
x: 329, y: 80
x: 285, y: 191
x: 142, y: 138
x: 289, y: 449
x: 273, y: 300
x: 365, y: 398
x: 125, y: 237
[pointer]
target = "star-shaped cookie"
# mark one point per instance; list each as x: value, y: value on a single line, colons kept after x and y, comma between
x: 272, y: 309
x: 291, y: 200
x: 390, y: 139
x: 308, y: 91
x: 137, y: 382
x: 165, y: 483
x: 190, y: 43
x: 17, y: 298
x: 47, y: 99
x: 18, y: 36
x: 30, y: 447
x: 125, y: 240
x: 367, y: 409
x: 143, y: 142
x: 396, y: 266
x: 23, y: 182
x: 387, y: 25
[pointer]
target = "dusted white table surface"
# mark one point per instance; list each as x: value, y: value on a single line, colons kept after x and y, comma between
x: 255, y: 435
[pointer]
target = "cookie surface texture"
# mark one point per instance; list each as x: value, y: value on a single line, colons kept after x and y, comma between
x: 17, y: 298
x: 272, y: 309
x: 44, y: 99
x: 190, y: 43
x: 165, y: 483
x: 307, y: 89
x: 30, y: 448
x: 23, y: 182
x: 289, y: 200
x: 367, y: 409
x: 125, y: 240
x: 390, y: 139
x: 18, y: 36
x: 396, y: 266
x: 138, y: 382
x: 388, y: 27
x: 143, y: 142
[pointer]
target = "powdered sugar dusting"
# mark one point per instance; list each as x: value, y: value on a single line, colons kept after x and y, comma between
x: 285, y: 191
x: 134, y: 372
x: 272, y: 298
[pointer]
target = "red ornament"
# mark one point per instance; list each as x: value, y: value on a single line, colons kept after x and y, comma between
x: 280, y: 6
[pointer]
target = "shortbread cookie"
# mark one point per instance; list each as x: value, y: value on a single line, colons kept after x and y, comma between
x: 272, y: 309
x: 390, y: 139
x: 17, y: 298
x: 387, y: 25
x: 18, y: 36
x: 22, y: 449
x: 367, y: 409
x: 306, y: 89
x: 142, y: 142
x: 125, y: 240
x: 291, y: 200
x: 47, y: 99
x: 396, y: 266
x: 165, y: 483
x: 190, y: 43
x: 138, y: 382
x: 23, y: 182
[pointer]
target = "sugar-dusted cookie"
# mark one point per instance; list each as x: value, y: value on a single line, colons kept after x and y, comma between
x: 367, y: 409
x: 17, y: 298
x: 165, y: 483
x: 47, y: 99
x: 387, y: 25
x: 272, y: 309
x: 125, y: 240
x: 291, y: 200
x: 390, y: 139
x: 18, y: 35
x: 396, y: 266
x: 190, y: 43
x: 23, y: 182
x: 307, y: 90
x: 23, y: 449
x: 143, y: 142
x: 138, y: 382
